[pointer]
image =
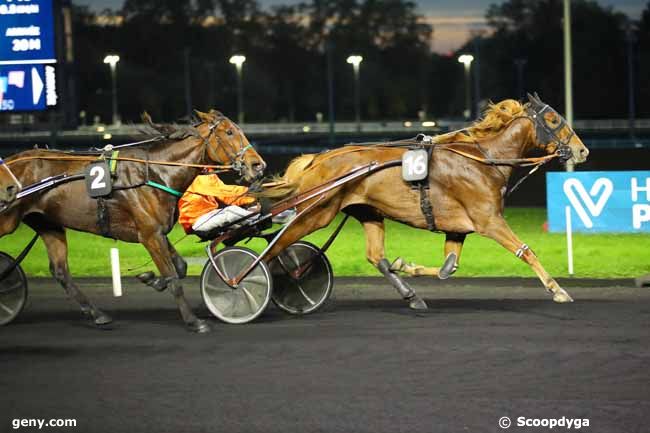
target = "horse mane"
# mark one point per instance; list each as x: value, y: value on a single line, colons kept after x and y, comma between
x: 495, y: 119
x: 287, y: 183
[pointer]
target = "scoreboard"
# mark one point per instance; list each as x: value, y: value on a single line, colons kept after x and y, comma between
x: 27, y: 55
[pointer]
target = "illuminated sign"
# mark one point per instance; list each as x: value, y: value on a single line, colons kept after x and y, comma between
x: 27, y: 56
x: 599, y: 201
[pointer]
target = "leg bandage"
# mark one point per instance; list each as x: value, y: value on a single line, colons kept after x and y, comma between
x: 521, y: 250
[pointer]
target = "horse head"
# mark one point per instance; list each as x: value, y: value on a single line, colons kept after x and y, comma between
x: 553, y: 133
x: 226, y: 143
x: 9, y: 185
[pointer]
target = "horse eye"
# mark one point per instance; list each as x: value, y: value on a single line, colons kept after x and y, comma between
x: 229, y: 132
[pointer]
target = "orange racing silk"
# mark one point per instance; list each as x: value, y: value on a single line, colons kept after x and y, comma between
x: 207, y: 192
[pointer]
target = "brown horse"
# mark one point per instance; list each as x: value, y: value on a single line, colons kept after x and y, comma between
x: 468, y: 177
x: 135, y: 211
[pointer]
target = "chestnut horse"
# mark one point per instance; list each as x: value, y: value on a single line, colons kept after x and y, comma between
x: 468, y: 177
x: 135, y: 211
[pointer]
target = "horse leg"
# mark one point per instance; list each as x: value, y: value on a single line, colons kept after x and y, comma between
x: 160, y: 283
x: 413, y: 269
x: 179, y: 263
x: 374, y: 230
x: 57, y: 250
x: 158, y: 247
x: 453, y: 247
x: 499, y: 230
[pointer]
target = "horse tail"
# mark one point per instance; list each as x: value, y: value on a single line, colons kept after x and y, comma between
x: 287, y: 184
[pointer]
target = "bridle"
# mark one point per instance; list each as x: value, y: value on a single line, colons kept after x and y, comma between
x: 547, y: 134
x: 11, y: 174
x: 235, y: 156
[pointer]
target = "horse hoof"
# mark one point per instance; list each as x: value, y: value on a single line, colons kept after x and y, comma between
x: 418, y: 303
x: 100, y: 318
x: 199, y: 326
x: 562, y: 297
x: 146, y: 277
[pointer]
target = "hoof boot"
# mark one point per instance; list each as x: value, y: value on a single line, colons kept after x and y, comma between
x: 199, y: 326
x: 100, y: 318
x: 448, y: 267
x: 417, y: 303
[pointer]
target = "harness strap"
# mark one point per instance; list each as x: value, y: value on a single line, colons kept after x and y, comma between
x: 334, y: 153
x: 425, y: 205
x: 165, y: 188
x: 113, y: 161
x: 423, y: 187
x: 103, y: 218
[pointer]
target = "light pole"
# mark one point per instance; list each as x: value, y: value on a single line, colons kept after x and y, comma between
x: 568, y: 71
x: 238, y: 60
x: 329, y: 48
x: 355, y: 61
x: 466, y: 59
x: 630, y: 39
x: 112, y: 60
x: 520, y: 64
x: 477, y: 42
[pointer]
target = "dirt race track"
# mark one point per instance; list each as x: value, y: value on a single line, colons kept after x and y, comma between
x: 484, y: 350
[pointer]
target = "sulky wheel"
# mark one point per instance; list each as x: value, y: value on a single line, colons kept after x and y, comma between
x: 239, y: 304
x: 302, y: 278
x: 13, y: 289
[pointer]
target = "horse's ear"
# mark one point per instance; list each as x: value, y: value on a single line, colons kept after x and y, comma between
x: 538, y: 98
x: 531, y: 98
x: 204, y: 117
x: 146, y: 118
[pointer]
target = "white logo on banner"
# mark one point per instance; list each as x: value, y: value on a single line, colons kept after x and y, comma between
x: 602, y: 187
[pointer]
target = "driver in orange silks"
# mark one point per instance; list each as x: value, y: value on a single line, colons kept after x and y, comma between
x: 209, y: 203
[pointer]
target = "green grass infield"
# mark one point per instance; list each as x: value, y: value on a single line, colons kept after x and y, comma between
x: 595, y: 255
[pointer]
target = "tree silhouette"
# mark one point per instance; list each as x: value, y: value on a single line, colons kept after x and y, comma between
x: 285, y: 71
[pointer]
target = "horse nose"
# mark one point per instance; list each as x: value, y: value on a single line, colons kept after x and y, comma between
x: 584, y: 152
x: 259, y: 167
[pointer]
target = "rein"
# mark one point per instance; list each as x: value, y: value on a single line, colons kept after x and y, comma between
x: 120, y: 158
x: 514, y: 162
x: 110, y: 147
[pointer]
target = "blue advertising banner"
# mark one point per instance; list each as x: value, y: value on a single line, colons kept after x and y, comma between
x: 600, y: 201
x: 27, y: 57
x: 26, y: 31
x: 23, y: 87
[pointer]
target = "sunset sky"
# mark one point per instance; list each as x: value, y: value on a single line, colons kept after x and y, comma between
x: 453, y: 20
